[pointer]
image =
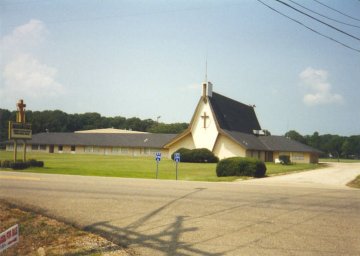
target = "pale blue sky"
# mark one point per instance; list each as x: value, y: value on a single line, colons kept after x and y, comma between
x: 147, y: 59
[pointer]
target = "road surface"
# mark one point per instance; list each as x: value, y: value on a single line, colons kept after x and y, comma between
x: 157, y: 217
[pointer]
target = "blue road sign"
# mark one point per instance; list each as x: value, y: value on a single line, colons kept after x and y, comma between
x: 177, y: 157
x: 157, y: 156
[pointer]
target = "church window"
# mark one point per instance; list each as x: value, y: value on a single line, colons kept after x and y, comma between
x: 88, y: 149
x: 298, y: 156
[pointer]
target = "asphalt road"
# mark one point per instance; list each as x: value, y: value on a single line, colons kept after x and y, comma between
x: 155, y: 217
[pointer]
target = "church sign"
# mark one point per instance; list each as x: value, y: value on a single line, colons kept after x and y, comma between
x: 19, y: 130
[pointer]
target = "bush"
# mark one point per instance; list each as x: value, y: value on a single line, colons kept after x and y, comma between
x: 241, y: 166
x: 201, y: 155
x: 19, y: 165
x: 34, y: 163
x: 6, y: 164
x: 284, y: 159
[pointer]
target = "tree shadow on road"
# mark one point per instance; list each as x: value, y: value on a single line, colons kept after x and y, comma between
x: 165, y: 242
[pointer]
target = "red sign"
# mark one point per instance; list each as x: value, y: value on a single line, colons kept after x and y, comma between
x: 9, y: 237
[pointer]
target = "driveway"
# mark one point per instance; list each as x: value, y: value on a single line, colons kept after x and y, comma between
x: 336, y: 175
x: 159, y: 217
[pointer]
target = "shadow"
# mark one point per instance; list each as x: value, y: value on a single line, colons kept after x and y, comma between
x: 166, y: 241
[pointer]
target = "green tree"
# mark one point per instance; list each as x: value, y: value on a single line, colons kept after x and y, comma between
x: 169, y: 128
x: 294, y: 135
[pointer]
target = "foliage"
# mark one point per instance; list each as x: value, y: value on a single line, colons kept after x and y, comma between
x: 59, y: 121
x: 35, y: 163
x: 241, y: 166
x: 6, y: 163
x: 294, y: 135
x: 168, y: 128
x: 200, y: 155
x: 334, y: 146
x: 285, y: 159
x: 19, y: 165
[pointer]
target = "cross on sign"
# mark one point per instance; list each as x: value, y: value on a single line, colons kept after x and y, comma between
x: 21, y: 108
x: 204, y: 117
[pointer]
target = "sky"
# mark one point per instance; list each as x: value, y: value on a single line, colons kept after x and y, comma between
x: 148, y: 58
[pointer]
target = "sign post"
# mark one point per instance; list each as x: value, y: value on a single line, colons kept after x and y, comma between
x: 177, y: 160
x: 20, y: 129
x: 157, y: 158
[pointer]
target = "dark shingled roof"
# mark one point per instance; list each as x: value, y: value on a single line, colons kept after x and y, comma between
x: 234, y: 116
x: 281, y: 143
x: 146, y: 140
x: 269, y: 143
x: 238, y: 121
x: 248, y: 141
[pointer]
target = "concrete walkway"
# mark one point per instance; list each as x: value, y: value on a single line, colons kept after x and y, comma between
x: 336, y: 175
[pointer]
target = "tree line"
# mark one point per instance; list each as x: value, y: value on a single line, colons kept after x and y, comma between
x: 331, y: 145
x: 59, y: 121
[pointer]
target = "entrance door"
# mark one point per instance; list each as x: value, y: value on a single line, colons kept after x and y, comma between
x: 51, y: 149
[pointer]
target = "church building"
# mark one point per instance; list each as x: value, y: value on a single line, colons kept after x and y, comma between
x: 229, y: 128
x: 226, y: 127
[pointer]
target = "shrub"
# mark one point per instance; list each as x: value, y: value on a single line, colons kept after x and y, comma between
x: 19, y: 165
x: 39, y: 164
x: 34, y: 163
x: 6, y: 164
x: 284, y: 159
x: 201, y: 155
x: 241, y: 166
x: 183, y: 153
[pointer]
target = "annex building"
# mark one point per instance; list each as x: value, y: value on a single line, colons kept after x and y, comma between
x: 224, y: 126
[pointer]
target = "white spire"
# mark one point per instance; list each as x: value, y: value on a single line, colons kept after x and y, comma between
x: 206, y: 80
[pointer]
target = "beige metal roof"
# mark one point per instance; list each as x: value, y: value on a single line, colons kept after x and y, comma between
x: 109, y: 130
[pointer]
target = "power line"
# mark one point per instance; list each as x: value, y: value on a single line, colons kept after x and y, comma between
x: 326, y: 24
x: 326, y: 17
x: 313, y: 30
x: 337, y: 10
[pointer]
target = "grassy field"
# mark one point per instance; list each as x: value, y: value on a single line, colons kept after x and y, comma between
x: 137, y: 167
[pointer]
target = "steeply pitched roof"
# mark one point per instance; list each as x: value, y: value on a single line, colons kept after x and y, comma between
x: 232, y: 115
x: 149, y: 140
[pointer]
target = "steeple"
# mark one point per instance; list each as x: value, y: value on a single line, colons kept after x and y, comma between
x: 207, y: 90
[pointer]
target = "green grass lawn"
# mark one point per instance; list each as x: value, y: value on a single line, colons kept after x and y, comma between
x: 137, y: 167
